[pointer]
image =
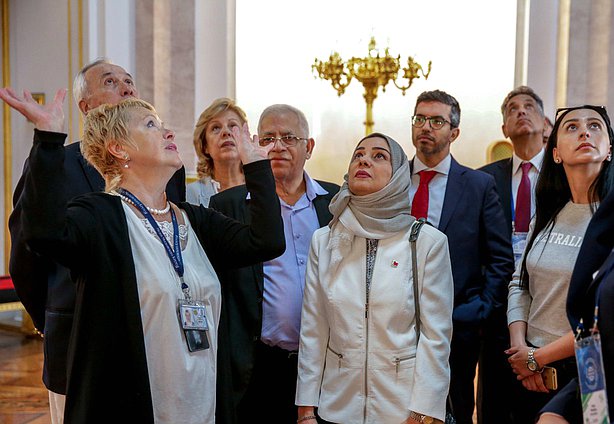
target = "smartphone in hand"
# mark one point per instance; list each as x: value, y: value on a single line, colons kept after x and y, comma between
x: 550, y: 379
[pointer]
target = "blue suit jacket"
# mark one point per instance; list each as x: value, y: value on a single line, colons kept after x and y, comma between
x: 480, y: 248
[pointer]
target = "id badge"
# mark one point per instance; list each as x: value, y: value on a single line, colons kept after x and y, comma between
x: 192, y: 315
x: 519, y: 242
x: 592, y: 380
x: 193, y: 321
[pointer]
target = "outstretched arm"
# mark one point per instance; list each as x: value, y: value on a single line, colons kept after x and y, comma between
x: 29, y: 270
x: 49, y: 117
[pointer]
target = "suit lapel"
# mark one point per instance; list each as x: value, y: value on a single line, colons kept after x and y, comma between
x: 606, y: 268
x: 454, y: 189
x: 505, y: 175
x: 320, y: 204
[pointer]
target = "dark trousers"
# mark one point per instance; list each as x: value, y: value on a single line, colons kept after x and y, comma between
x: 496, y: 380
x: 464, y: 353
x: 272, y: 388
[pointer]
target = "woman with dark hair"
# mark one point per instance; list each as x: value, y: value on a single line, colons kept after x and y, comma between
x: 576, y: 175
x: 367, y: 354
x: 219, y: 165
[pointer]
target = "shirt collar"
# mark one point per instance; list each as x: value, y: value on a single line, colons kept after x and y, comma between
x: 312, y: 188
x: 536, y: 161
x: 442, y: 167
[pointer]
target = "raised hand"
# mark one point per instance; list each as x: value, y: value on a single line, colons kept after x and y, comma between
x: 249, y: 147
x: 48, y: 117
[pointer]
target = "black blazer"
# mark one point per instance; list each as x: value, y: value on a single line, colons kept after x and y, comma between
x: 597, y: 245
x: 604, y: 280
x: 242, y: 293
x: 107, y: 367
x: 501, y: 170
x: 480, y: 247
x: 46, y: 288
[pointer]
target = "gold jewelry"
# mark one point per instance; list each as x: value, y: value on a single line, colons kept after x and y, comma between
x: 421, y: 418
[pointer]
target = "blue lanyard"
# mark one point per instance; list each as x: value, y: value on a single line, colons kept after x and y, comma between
x: 173, y: 254
x: 594, y: 329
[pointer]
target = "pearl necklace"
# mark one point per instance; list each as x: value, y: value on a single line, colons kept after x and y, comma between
x: 153, y: 211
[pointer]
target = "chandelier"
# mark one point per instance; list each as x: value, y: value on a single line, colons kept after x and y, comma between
x: 373, y: 71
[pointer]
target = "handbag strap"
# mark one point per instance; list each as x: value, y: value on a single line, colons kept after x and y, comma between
x: 413, y: 237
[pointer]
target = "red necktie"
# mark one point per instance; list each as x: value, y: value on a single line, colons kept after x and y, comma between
x: 420, y: 205
x: 523, y: 201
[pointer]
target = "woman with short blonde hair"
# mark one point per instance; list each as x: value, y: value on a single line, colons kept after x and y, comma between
x: 148, y: 295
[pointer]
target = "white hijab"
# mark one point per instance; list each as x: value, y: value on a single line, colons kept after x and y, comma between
x: 374, y: 216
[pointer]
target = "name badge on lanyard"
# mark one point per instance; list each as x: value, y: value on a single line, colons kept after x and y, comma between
x: 193, y: 318
x: 191, y: 313
x: 592, y: 377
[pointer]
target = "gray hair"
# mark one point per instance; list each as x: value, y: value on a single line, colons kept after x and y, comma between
x: 279, y: 109
x: 446, y: 99
x: 79, y: 86
x: 523, y: 89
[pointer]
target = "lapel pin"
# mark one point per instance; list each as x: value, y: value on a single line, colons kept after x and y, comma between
x: 394, y: 264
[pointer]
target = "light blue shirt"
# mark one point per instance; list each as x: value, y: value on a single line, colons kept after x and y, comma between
x: 284, y: 277
x: 437, y: 187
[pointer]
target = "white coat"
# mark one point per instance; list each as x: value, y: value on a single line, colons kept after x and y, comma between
x: 363, y: 368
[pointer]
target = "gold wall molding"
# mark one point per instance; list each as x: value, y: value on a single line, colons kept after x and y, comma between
x: 69, y: 55
x: 6, y: 121
x: 562, y: 53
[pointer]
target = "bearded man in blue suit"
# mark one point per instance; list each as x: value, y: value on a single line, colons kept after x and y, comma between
x: 462, y: 203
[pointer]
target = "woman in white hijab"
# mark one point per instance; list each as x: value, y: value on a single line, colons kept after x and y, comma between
x: 360, y: 355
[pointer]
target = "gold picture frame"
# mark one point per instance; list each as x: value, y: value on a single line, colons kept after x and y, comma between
x: 39, y: 97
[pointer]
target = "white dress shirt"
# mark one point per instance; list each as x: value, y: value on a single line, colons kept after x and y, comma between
x: 536, y: 161
x: 437, y: 187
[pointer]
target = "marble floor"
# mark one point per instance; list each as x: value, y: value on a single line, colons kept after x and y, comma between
x: 23, y: 398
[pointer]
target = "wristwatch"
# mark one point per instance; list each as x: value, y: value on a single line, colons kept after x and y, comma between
x: 532, y: 364
x: 421, y: 418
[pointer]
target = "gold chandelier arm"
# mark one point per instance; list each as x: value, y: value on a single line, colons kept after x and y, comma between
x: 372, y: 71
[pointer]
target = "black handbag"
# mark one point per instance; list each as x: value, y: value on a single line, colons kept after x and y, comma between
x: 413, y: 237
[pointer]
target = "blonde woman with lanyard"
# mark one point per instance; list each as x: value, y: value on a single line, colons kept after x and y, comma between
x: 361, y: 359
x: 142, y: 264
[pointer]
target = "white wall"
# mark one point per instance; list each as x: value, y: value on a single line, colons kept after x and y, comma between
x: 473, y: 60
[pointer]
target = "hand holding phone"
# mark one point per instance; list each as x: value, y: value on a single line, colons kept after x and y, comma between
x: 550, y: 379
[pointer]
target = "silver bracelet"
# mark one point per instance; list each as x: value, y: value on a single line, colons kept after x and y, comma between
x: 305, y: 418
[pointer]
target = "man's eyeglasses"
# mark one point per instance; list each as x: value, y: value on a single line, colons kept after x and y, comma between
x: 286, y: 140
x: 436, y: 122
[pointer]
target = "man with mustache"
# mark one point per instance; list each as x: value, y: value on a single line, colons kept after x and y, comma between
x: 264, y: 302
x: 525, y: 124
x: 463, y: 204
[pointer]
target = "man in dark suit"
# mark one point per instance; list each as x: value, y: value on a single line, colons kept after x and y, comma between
x: 463, y: 204
x: 262, y: 304
x: 45, y: 288
x: 524, y: 123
